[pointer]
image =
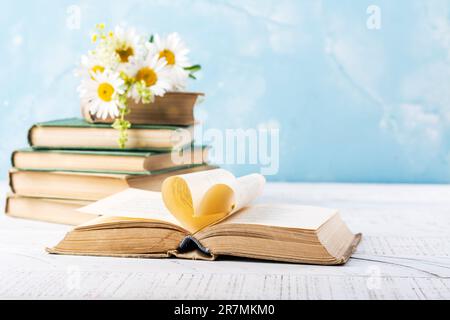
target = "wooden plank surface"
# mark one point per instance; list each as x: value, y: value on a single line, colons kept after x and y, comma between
x: 404, y: 255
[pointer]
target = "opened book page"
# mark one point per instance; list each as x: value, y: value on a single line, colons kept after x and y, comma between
x: 210, y: 213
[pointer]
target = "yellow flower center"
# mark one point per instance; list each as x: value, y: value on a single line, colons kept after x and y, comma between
x: 105, y: 91
x: 96, y: 69
x: 148, y: 75
x: 125, y: 53
x: 169, y: 55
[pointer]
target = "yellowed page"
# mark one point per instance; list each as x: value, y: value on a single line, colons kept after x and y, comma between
x: 198, y: 185
x: 192, y: 201
x: 247, y: 189
x: 200, y: 199
x: 280, y: 215
x: 132, y: 203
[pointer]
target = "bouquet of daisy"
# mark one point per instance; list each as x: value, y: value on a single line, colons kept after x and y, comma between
x: 128, y: 65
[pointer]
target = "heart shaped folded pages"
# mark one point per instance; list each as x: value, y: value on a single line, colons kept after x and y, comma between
x: 194, y: 200
x: 199, y: 199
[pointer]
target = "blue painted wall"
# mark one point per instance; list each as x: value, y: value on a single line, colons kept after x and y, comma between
x: 351, y: 103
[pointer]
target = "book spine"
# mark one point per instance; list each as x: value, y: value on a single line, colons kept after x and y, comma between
x: 189, y: 243
x: 10, y: 180
x: 30, y: 136
x: 6, y: 208
x: 13, y: 155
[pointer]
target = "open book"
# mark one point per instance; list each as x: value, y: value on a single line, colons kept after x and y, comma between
x: 204, y: 215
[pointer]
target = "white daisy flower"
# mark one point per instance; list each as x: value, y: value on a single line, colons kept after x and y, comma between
x: 126, y: 45
x: 101, y: 94
x: 153, y: 73
x: 175, y: 52
x: 90, y: 65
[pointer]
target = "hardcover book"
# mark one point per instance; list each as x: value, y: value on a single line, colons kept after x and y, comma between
x: 175, y: 108
x: 62, y: 211
x: 205, y: 215
x: 104, y: 161
x: 88, y: 186
x: 77, y: 133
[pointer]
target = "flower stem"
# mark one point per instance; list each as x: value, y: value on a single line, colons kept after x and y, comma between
x: 122, y: 125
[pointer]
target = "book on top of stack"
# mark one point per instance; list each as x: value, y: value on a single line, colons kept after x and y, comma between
x: 73, y: 162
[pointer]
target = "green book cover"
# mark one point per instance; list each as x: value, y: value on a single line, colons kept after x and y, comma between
x: 113, y: 153
x: 126, y: 153
x: 81, y: 123
x: 129, y: 173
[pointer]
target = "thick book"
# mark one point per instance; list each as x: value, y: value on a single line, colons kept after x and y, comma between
x: 175, y: 108
x: 88, y: 186
x: 59, y: 211
x: 206, y: 215
x: 77, y: 133
x: 103, y: 161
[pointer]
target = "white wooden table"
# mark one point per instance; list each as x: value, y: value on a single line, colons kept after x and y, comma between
x: 405, y: 254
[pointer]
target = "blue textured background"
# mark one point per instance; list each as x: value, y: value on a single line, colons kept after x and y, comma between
x: 352, y: 104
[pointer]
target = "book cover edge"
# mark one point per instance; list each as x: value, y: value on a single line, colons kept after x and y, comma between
x: 118, y: 175
x: 82, y: 123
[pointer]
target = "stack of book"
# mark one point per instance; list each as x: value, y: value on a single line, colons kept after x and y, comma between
x: 73, y: 162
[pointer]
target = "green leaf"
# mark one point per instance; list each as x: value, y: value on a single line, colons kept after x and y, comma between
x: 117, y: 125
x: 152, y: 39
x: 194, y: 68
